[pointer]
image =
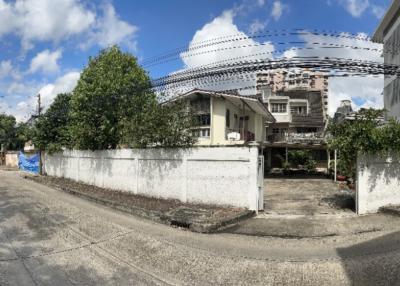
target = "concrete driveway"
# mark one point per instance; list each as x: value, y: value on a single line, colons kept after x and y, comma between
x: 51, y: 238
x: 305, y: 196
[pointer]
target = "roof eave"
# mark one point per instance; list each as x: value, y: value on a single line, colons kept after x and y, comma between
x: 377, y: 37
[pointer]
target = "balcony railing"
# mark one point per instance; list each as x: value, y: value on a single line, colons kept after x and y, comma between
x: 239, y: 135
x: 307, y: 138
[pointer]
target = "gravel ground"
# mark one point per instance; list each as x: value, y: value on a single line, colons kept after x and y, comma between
x: 200, y: 218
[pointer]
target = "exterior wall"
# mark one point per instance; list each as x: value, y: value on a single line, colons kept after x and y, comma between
x: 280, y: 117
x: 11, y: 159
x: 259, y: 126
x: 218, y: 124
x: 217, y: 176
x: 392, y: 83
x: 218, y: 121
x: 280, y: 80
x: 378, y: 183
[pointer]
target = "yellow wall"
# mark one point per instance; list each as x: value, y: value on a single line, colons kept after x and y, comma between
x: 256, y: 123
x: 259, y: 126
x: 218, y: 121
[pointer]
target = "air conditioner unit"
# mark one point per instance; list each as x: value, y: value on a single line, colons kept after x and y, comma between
x: 234, y: 136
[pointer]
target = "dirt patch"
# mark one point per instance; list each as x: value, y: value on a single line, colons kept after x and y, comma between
x: 343, y: 200
x: 196, y: 217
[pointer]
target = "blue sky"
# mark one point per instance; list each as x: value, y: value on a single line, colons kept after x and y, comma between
x: 46, y: 43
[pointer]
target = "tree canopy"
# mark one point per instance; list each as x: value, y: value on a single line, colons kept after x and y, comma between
x: 52, y: 128
x: 113, y: 106
x: 366, y: 134
x: 12, y: 135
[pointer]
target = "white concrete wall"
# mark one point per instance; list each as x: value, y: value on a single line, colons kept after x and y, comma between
x: 12, y: 159
x: 217, y: 176
x: 378, y: 183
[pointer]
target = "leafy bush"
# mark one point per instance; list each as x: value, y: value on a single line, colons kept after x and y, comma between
x: 299, y: 157
x: 310, y: 165
x: 366, y: 134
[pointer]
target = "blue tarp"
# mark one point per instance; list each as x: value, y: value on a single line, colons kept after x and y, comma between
x: 28, y: 164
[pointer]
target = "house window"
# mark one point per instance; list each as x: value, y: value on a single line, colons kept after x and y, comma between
x: 306, y: 130
x: 275, y: 131
x: 301, y: 110
x: 236, y: 118
x: 228, y: 118
x: 203, y: 120
x: 202, y: 133
x: 278, y: 107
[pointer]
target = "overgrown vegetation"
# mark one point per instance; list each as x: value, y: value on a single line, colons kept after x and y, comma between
x: 52, y: 128
x: 12, y: 135
x: 113, y: 106
x: 366, y: 134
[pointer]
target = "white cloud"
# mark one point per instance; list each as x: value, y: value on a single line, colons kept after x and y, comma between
x: 110, y: 29
x: 362, y: 91
x: 63, y: 84
x: 260, y: 3
x: 378, y: 11
x: 358, y: 89
x: 257, y: 26
x: 277, y: 10
x: 5, y: 69
x: 46, y: 62
x: 222, y: 26
x: 247, y: 49
x: 44, y: 20
x: 6, y: 18
x: 355, y: 7
x: 24, y: 109
x: 56, y: 20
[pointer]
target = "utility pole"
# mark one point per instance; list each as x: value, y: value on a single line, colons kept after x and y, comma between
x: 39, y: 105
x: 39, y: 112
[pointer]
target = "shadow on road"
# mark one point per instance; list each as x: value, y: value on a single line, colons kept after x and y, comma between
x: 374, y: 262
x: 37, y: 247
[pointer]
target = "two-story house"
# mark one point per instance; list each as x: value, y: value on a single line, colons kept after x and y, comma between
x: 227, y: 119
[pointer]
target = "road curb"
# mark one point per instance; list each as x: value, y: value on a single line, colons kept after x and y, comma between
x: 390, y: 210
x: 168, y: 218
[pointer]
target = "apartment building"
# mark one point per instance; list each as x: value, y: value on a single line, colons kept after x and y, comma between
x: 295, y: 79
x: 298, y: 100
x: 388, y: 34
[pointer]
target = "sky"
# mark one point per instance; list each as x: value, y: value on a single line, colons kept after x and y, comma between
x: 46, y: 43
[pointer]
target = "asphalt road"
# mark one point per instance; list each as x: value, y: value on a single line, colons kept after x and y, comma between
x: 51, y: 238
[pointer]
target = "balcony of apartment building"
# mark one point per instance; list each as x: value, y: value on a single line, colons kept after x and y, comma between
x: 294, y: 137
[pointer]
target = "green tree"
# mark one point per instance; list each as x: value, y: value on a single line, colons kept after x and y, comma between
x: 52, y: 128
x: 7, y: 131
x: 363, y: 135
x: 113, y: 104
x: 111, y: 88
x: 24, y: 133
x: 167, y: 125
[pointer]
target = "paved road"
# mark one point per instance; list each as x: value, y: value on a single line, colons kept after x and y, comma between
x: 51, y: 238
